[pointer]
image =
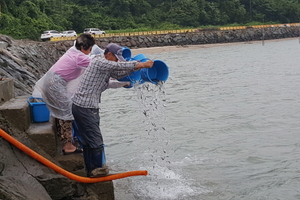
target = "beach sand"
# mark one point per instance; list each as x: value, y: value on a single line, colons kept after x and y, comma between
x: 152, y: 50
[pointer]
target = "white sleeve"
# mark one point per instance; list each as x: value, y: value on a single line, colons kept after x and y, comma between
x: 114, y: 83
x: 96, y: 50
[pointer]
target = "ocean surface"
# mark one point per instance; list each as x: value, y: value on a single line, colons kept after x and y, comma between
x: 225, y: 125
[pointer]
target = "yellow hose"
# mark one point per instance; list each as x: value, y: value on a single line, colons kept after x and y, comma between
x: 65, y: 173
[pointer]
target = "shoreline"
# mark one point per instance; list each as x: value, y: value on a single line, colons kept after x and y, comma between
x: 161, y: 49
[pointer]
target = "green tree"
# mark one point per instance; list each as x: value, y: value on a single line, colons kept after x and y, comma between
x: 82, y: 18
x: 185, y: 13
x: 232, y: 11
x: 29, y: 18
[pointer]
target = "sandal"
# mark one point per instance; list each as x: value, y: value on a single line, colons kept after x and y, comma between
x: 69, y: 148
x: 76, y: 151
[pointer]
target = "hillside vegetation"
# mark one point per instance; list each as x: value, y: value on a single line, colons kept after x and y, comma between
x: 27, y: 19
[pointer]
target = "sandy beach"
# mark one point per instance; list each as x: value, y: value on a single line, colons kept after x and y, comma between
x: 152, y: 50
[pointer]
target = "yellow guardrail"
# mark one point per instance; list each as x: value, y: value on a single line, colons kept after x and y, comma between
x: 233, y: 28
x: 128, y: 34
x: 176, y: 31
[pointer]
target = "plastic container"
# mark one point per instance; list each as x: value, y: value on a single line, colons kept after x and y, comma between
x: 158, y: 72
x: 39, y: 110
x: 140, y: 57
x: 126, y: 53
x: 162, y: 70
x: 133, y: 77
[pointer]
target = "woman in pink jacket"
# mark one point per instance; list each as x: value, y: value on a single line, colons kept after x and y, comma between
x: 53, y: 86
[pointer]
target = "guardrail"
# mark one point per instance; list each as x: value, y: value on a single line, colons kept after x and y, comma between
x: 177, y: 31
x: 129, y: 34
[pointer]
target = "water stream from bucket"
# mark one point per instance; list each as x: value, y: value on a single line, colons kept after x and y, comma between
x: 163, y: 181
x: 151, y: 102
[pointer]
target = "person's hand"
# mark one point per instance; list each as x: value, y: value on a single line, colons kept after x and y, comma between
x: 127, y: 84
x: 147, y: 64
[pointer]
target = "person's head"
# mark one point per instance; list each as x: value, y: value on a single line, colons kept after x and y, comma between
x: 113, y: 52
x: 84, y: 43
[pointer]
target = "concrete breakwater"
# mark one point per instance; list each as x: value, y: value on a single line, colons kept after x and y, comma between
x: 204, y: 36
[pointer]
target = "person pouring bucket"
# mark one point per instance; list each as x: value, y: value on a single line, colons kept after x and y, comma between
x: 85, y: 107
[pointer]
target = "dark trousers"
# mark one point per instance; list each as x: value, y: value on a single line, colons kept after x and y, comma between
x: 88, y: 120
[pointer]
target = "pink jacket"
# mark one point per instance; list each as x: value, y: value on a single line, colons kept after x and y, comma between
x: 70, y: 65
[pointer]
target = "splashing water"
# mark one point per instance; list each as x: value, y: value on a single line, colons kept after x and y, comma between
x: 163, y: 182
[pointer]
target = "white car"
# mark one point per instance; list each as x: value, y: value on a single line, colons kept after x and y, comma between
x: 69, y: 33
x: 46, y: 35
x: 93, y: 31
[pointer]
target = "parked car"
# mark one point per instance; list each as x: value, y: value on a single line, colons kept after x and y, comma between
x: 69, y: 33
x: 46, y: 35
x: 93, y: 31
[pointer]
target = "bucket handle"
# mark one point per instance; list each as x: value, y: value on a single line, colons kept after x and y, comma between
x: 30, y: 98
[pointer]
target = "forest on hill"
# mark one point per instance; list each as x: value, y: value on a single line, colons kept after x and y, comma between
x: 27, y: 19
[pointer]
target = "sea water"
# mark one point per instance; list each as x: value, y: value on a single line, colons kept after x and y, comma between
x: 225, y: 125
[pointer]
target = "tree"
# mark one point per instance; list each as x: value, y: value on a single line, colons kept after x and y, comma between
x: 232, y: 11
x: 28, y: 18
x: 185, y: 13
x: 82, y: 18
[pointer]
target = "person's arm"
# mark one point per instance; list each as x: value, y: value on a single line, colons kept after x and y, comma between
x: 114, y: 83
x: 123, y: 71
x: 147, y: 64
x: 119, y: 70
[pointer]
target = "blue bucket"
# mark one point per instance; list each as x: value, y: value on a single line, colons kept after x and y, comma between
x: 38, y: 109
x: 162, y: 70
x: 126, y: 53
x: 149, y: 75
x: 140, y: 57
x: 158, y: 72
x: 136, y: 75
x: 132, y: 78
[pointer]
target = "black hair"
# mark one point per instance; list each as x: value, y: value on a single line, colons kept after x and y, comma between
x: 106, y: 51
x: 85, y: 40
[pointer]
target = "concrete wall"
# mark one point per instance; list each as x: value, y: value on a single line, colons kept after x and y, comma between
x: 6, y: 90
x: 16, y: 120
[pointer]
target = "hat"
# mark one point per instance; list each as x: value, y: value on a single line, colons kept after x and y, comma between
x: 116, y: 50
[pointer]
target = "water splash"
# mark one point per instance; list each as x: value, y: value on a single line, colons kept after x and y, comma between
x: 166, y: 179
x: 163, y: 182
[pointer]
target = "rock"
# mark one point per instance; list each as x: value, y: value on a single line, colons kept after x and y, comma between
x: 3, y: 45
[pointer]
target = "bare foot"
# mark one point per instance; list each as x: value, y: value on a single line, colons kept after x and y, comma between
x: 69, y: 148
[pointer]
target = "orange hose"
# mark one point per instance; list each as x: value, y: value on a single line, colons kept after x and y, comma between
x: 63, y: 172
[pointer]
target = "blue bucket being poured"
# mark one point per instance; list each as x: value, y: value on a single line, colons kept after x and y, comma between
x: 140, y: 57
x: 126, y: 53
x: 133, y: 77
x: 157, y: 73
